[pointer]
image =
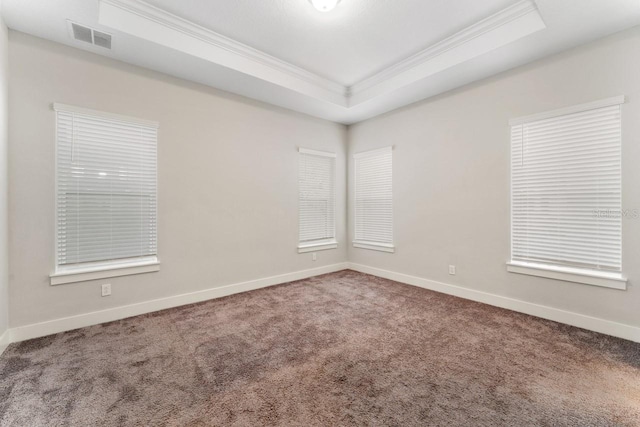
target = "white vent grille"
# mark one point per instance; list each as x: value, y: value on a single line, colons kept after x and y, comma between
x: 89, y: 35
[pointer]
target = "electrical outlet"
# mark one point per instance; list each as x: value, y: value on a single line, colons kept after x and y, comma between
x: 106, y: 289
x: 452, y: 270
x: 314, y: 256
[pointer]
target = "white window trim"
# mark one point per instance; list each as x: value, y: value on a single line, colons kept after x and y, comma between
x: 318, y: 246
x: 104, y: 270
x: 374, y: 151
x: 613, y: 280
x: 73, y: 109
x: 316, y: 152
x: 373, y: 246
x: 608, y: 102
x: 568, y: 274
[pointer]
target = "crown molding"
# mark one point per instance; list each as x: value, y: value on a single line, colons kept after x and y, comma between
x: 506, y: 26
x: 151, y: 23
x: 143, y: 20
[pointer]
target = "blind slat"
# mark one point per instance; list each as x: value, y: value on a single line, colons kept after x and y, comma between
x: 316, y: 197
x: 565, y: 182
x: 106, y: 189
x: 374, y: 197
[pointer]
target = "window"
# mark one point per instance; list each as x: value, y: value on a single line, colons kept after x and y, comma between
x: 105, y: 193
x: 374, y: 200
x: 566, y: 200
x: 317, y: 205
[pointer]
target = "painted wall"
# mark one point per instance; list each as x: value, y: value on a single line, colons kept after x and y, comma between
x: 227, y: 180
x: 451, y: 176
x: 4, y: 231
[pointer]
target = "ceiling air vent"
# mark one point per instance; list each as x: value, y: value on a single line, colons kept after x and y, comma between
x: 102, y: 39
x: 89, y: 35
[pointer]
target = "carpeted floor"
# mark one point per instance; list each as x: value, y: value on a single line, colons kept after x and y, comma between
x: 337, y: 350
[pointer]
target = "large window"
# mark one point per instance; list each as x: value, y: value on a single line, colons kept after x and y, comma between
x: 105, y: 191
x: 566, y: 200
x: 374, y: 200
x: 317, y: 200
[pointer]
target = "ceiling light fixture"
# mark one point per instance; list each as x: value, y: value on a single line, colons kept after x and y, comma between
x: 324, y: 5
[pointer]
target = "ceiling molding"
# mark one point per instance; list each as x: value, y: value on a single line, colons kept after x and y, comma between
x: 159, y: 26
x: 503, y: 27
x: 151, y: 23
x: 148, y: 37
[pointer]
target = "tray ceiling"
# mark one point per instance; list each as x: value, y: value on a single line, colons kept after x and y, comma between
x: 364, y: 58
x: 347, y: 45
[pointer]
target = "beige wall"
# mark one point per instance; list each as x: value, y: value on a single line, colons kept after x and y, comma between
x: 451, y: 176
x: 227, y: 180
x: 4, y: 238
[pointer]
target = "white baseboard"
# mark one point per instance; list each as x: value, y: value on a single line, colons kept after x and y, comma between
x: 37, y: 330
x: 603, y: 326
x: 5, y: 340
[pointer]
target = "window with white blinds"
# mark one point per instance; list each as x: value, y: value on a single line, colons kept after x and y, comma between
x: 566, y: 200
x: 317, y: 200
x: 106, y: 189
x: 374, y: 200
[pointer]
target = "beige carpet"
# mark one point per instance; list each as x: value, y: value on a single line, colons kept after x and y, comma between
x: 337, y: 350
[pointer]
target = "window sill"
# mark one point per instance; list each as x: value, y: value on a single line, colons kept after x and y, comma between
x: 588, y: 277
x: 382, y: 247
x: 62, y: 277
x: 313, y: 247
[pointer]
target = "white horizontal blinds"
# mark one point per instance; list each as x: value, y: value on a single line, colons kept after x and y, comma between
x: 566, y: 190
x: 106, y: 189
x: 317, y: 189
x: 374, y: 197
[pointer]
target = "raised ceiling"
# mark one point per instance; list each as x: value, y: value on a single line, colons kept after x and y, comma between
x: 347, y: 45
x: 364, y: 58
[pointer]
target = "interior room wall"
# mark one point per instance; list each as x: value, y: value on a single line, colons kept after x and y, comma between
x: 228, y: 179
x: 4, y: 238
x: 451, y: 176
x: 227, y: 174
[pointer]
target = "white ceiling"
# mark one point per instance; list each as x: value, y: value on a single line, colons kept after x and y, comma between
x: 347, y: 45
x: 362, y: 59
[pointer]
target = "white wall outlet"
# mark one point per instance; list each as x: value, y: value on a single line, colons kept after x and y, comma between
x: 452, y: 270
x: 314, y: 256
x: 106, y: 289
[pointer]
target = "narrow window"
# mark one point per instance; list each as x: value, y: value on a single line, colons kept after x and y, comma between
x: 317, y: 200
x: 374, y: 200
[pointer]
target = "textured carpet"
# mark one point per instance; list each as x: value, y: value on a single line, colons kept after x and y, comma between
x: 340, y: 349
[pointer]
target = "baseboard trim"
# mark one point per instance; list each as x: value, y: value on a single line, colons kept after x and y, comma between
x: 595, y: 324
x: 5, y: 340
x: 37, y: 330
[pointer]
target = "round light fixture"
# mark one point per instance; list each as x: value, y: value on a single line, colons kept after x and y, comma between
x: 324, y: 5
